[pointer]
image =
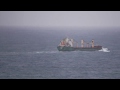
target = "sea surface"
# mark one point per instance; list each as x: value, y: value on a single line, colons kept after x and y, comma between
x: 31, y: 53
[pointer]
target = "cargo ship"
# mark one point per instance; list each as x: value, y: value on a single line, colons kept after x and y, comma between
x: 67, y: 44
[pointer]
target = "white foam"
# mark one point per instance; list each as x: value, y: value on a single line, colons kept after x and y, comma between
x: 104, y: 50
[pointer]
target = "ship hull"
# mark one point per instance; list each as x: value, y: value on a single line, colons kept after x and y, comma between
x: 65, y: 48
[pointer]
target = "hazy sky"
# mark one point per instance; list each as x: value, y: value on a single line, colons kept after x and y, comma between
x: 60, y: 18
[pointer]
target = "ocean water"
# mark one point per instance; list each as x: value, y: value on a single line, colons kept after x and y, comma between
x: 31, y: 53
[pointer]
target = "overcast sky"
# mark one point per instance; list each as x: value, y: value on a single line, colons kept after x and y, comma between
x: 60, y: 18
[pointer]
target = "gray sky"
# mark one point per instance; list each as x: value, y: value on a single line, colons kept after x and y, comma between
x: 60, y: 18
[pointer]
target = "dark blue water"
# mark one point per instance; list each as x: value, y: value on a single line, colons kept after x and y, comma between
x: 28, y: 53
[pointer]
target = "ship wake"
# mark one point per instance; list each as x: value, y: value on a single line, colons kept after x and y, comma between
x: 38, y: 52
x: 26, y: 53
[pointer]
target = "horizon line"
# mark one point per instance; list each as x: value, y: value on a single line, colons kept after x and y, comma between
x: 60, y: 27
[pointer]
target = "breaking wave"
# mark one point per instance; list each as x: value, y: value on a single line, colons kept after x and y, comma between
x: 104, y: 50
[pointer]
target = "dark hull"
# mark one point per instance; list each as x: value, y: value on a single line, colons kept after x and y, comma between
x: 64, y: 48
